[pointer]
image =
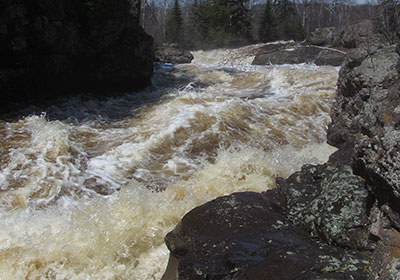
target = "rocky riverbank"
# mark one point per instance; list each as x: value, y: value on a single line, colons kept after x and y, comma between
x: 340, y: 220
x: 52, y: 47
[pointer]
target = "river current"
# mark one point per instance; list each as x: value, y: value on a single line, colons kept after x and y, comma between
x: 89, y: 187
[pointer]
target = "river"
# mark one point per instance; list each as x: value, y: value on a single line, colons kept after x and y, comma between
x: 89, y: 187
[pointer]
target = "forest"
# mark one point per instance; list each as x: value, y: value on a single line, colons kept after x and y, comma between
x: 222, y: 23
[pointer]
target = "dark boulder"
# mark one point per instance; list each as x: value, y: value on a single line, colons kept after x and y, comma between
x: 273, y: 47
x: 49, y: 46
x: 171, y: 53
x: 330, y: 56
x: 254, y: 236
x: 300, y: 54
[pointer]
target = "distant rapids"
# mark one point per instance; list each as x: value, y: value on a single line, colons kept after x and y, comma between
x: 90, y: 187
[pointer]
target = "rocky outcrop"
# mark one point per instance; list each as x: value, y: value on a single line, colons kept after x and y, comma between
x: 314, y: 225
x: 340, y: 220
x: 367, y: 115
x: 354, y: 35
x: 253, y: 236
x: 300, y: 54
x: 171, y: 53
x: 350, y: 36
x: 366, y: 96
x: 51, y: 46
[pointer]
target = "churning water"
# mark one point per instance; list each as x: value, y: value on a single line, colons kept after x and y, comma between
x: 90, y: 187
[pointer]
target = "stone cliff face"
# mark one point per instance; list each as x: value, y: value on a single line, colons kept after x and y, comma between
x: 340, y: 220
x: 366, y: 117
x: 72, y: 45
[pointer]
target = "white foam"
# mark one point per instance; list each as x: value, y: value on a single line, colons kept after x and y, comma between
x: 245, y: 127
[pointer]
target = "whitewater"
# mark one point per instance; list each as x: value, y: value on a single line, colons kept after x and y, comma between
x: 90, y: 186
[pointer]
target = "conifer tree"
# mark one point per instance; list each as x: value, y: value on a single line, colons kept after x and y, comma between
x: 174, y: 24
x: 267, y: 31
x: 239, y: 20
x: 198, y: 25
x: 289, y: 23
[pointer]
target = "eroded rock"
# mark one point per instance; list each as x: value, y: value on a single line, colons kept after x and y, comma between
x: 330, y: 202
x: 300, y: 54
x: 248, y: 236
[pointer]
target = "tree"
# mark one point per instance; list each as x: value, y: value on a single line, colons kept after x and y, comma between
x: 174, y: 24
x: 389, y: 21
x: 217, y: 17
x: 267, y: 31
x: 289, y: 23
x: 239, y: 20
x: 197, y: 25
x: 227, y: 22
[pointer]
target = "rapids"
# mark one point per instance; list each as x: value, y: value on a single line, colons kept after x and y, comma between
x: 89, y: 187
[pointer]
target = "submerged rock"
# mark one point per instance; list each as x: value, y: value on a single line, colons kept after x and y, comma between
x: 70, y: 46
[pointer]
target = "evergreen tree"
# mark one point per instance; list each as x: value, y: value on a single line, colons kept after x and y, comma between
x: 217, y: 18
x: 174, y: 24
x: 239, y: 20
x: 289, y: 23
x: 388, y: 22
x: 227, y: 22
x: 267, y: 31
x: 198, y: 25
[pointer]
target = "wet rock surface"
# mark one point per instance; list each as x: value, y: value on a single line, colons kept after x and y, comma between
x: 300, y: 54
x: 248, y: 236
x: 345, y: 211
x: 171, y: 53
x: 48, y: 47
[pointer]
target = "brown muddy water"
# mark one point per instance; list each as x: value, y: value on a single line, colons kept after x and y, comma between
x: 89, y: 188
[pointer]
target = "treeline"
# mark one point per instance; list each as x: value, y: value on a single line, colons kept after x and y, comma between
x: 216, y: 23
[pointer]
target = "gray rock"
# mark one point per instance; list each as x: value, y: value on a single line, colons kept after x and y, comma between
x: 365, y: 95
x: 366, y: 117
x: 322, y: 36
x: 366, y: 111
x: 300, y: 54
x: 353, y: 35
x: 171, y: 53
x: 330, y: 57
x: 330, y: 202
